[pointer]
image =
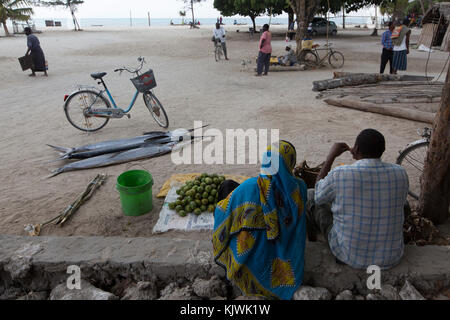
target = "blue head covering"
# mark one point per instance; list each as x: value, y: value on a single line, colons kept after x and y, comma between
x: 259, y: 230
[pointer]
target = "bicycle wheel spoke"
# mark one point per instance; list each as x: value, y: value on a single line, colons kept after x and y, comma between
x: 413, y: 160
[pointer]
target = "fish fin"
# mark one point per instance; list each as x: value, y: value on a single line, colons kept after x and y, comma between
x: 154, y: 138
x: 61, y: 149
x: 155, y: 132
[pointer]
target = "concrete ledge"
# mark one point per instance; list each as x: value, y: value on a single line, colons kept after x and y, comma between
x: 41, y: 263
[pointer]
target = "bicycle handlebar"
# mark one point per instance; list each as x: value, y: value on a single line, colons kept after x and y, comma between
x: 140, y: 59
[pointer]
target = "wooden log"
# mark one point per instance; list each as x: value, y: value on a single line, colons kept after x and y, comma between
x: 353, y: 80
x: 392, y: 111
x: 383, y: 77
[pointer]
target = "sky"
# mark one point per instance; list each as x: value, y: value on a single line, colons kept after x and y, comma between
x: 139, y: 9
x: 121, y: 9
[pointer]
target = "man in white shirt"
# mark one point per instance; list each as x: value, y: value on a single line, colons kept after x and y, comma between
x: 219, y: 36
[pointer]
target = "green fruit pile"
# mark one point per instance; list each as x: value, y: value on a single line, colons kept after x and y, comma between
x: 198, y: 195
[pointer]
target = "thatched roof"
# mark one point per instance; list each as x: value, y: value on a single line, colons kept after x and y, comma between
x: 434, y: 13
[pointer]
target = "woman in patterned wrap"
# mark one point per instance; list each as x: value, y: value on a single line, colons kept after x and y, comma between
x: 35, y: 50
x: 259, y: 228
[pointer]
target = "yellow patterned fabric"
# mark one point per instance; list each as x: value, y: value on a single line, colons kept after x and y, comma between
x: 259, y: 229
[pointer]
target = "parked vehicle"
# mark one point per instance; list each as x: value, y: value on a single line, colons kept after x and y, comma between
x: 319, y: 27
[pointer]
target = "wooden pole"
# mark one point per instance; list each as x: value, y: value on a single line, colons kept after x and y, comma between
x: 434, y: 200
x: 343, y: 16
x: 392, y: 111
x: 131, y: 20
x: 148, y: 13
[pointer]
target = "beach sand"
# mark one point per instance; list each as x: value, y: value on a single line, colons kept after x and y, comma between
x: 192, y: 87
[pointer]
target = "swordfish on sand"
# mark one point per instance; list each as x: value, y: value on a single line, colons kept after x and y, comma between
x: 112, y: 146
x: 145, y: 152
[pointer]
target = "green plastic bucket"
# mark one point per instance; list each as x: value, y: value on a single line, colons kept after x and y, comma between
x: 135, y: 189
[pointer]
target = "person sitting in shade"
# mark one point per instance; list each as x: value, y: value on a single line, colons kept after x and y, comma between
x: 360, y: 208
x: 289, y: 59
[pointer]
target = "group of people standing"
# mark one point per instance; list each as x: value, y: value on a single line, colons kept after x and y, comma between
x: 395, y: 43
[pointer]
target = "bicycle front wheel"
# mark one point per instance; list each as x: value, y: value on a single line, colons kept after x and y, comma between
x: 77, y: 106
x: 336, y: 59
x: 156, y: 109
x: 413, y: 160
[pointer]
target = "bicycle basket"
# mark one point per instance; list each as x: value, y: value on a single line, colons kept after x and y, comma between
x: 145, y: 81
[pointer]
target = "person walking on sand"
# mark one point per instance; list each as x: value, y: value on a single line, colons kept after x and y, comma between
x: 35, y: 50
x: 387, y: 54
x: 265, y: 51
x: 220, y: 36
x: 400, y: 40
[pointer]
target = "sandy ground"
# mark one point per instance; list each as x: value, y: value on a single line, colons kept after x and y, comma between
x: 191, y: 86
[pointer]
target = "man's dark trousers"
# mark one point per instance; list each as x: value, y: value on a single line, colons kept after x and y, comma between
x: 263, y: 62
x: 386, y: 55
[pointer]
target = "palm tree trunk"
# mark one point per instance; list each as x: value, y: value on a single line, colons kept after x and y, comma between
x: 434, y: 198
x: 5, y: 28
x: 192, y: 9
x: 75, y: 22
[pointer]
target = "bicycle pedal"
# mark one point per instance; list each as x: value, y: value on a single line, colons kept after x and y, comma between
x: 129, y: 116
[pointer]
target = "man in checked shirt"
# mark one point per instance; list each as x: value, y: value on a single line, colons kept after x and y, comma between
x: 388, y: 53
x: 360, y: 208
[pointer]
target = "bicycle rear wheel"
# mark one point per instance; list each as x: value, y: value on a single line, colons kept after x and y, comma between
x: 309, y: 58
x: 336, y: 59
x: 413, y: 160
x: 156, y: 109
x: 76, y: 108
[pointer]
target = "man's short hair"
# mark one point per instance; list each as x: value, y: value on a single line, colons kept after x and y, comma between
x: 371, y: 143
x: 391, y: 23
x: 266, y: 27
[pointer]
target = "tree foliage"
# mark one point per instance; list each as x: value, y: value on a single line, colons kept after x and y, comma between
x: 14, y: 10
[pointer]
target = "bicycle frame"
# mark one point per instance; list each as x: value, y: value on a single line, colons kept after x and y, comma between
x: 133, y: 101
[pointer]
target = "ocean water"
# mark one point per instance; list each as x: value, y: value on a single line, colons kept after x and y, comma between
x: 143, y: 22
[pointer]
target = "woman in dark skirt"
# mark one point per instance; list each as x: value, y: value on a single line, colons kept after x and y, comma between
x: 35, y: 50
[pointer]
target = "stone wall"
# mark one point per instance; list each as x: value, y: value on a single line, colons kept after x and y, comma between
x: 40, y: 264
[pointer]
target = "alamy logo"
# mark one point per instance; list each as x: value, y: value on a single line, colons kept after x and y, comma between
x: 74, y: 281
x: 240, y: 146
x: 374, y: 281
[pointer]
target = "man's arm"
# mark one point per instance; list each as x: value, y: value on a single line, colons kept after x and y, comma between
x: 336, y: 150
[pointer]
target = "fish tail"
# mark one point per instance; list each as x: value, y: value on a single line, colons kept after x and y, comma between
x: 54, y: 173
x: 60, y: 149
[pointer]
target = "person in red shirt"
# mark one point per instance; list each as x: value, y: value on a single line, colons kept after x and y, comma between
x: 265, y: 51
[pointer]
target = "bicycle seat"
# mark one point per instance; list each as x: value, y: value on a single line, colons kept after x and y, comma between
x: 98, y: 75
x: 315, y: 45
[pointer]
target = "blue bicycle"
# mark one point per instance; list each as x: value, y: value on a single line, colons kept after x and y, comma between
x: 89, y: 110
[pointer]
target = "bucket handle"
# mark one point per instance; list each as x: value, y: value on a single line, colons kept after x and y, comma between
x: 135, y: 164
